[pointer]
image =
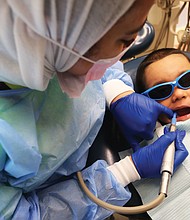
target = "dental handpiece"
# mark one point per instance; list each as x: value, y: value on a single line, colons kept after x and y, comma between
x: 168, y: 161
x: 166, y: 171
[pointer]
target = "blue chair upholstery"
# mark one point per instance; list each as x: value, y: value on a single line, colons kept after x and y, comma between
x: 145, y: 38
x: 131, y: 66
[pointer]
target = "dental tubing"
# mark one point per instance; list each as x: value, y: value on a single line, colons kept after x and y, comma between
x: 166, y: 171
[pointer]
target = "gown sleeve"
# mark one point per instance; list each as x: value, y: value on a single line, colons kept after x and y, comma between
x: 54, y: 192
x: 116, y: 81
x: 66, y: 200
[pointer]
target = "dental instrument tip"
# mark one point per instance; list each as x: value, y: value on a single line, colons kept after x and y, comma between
x: 174, y: 119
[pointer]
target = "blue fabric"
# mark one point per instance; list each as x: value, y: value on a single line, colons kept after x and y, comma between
x: 27, y: 208
x: 64, y: 200
x: 19, y: 148
x: 48, y: 137
x: 9, y: 199
x: 116, y: 71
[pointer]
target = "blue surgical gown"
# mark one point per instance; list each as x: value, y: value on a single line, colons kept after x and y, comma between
x: 45, y: 137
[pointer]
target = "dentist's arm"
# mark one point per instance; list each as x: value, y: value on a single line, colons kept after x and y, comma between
x: 146, y: 162
x: 137, y: 115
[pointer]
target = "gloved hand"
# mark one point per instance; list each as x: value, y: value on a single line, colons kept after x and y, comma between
x: 148, y: 160
x: 137, y: 115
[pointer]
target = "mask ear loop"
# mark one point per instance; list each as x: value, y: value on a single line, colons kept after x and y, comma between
x: 68, y: 49
x: 61, y: 46
x: 75, y: 53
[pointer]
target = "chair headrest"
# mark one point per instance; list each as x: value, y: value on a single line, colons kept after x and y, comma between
x: 131, y: 66
x: 144, y: 40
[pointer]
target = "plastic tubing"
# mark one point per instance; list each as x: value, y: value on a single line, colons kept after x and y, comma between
x: 165, y: 180
x: 120, y: 209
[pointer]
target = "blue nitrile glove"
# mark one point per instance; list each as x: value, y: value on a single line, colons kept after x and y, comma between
x: 137, y: 115
x: 148, y: 160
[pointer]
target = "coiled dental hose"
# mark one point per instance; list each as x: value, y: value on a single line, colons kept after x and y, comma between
x: 120, y: 209
x: 166, y: 171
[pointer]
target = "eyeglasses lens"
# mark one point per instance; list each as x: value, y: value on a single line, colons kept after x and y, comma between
x: 184, y: 81
x: 161, y: 92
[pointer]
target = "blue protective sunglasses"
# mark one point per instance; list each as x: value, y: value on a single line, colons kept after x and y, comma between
x: 164, y: 90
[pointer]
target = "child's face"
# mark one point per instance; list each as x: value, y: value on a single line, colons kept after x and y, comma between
x: 166, y: 70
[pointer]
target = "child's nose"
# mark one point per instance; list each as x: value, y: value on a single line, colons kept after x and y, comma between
x: 179, y: 94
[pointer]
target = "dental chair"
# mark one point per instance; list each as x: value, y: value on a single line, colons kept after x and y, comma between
x: 144, y: 39
x: 110, y: 141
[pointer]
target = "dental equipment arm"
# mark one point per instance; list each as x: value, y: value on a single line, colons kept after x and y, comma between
x: 148, y: 161
x: 168, y: 162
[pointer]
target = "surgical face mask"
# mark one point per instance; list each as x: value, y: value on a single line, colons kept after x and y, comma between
x: 99, y: 67
x: 74, y: 85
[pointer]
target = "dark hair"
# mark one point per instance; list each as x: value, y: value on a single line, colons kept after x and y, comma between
x: 151, y: 58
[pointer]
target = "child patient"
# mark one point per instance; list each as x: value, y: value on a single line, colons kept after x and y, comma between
x: 164, y: 75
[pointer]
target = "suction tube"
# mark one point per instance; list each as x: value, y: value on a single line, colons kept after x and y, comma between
x: 166, y: 171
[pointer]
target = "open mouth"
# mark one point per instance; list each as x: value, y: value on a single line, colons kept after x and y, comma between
x: 182, y: 112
